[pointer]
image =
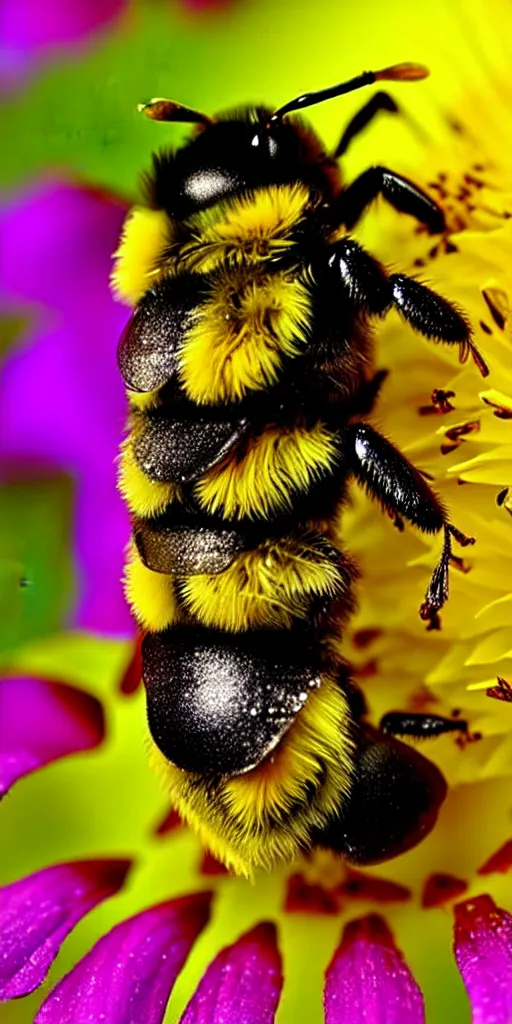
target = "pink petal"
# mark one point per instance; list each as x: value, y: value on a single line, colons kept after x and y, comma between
x: 501, y: 861
x: 132, y: 676
x: 210, y: 866
x: 358, y: 885
x: 68, y: 235
x: 38, y: 912
x: 368, y: 981
x: 483, y: 951
x: 30, y: 28
x: 440, y: 889
x: 42, y: 721
x: 242, y: 985
x: 303, y: 897
x: 126, y: 978
x: 170, y: 821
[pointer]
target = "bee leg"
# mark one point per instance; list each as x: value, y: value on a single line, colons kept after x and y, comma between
x: 394, y: 802
x: 372, y: 291
x: 420, y: 726
x: 362, y: 278
x: 434, y: 317
x: 402, y: 194
x: 401, y: 489
x: 380, y: 101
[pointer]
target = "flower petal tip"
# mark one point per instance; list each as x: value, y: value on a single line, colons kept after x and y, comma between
x: 129, y: 973
x: 359, y: 885
x: 131, y: 679
x: 368, y: 981
x: 243, y: 984
x: 41, y: 722
x: 483, y: 951
x: 169, y: 823
x: 210, y: 866
x: 39, y: 911
x: 265, y: 933
x: 440, y: 889
x: 303, y: 897
x: 500, y: 862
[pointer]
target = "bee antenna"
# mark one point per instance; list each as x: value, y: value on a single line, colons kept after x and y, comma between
x: 396, y: 73
x: 167, y: 110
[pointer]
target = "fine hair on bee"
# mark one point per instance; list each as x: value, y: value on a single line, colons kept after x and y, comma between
x: 248, y: 364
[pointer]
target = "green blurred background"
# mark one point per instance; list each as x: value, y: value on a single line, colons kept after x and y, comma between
x: 78, y: 115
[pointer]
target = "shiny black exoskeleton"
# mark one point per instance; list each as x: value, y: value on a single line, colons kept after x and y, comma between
x: 395, y: 791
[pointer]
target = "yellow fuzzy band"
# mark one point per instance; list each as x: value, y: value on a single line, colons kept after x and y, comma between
x: 143, y: 496
x: 250, y: 229
x: 241, y: 335
x: 270, y: 586
x: 150, y: 595
x: 266, y: 816
x: 266, y: 478
x: 141, y: 401
x: 145, y: 237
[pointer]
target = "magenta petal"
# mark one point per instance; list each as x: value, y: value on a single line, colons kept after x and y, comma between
x: 127, y: 977
x: 63, y: 402
x: 38, y: 912
x: 30, y: 28
x: 483, y: 951
x: 41, y: 721
x: 27, y: 24
x: 368, y: 981
x: 242, y: 985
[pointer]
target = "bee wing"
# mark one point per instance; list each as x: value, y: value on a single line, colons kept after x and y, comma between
x: 187, y: 549
x: 148, y: 349
x: 175, y: 450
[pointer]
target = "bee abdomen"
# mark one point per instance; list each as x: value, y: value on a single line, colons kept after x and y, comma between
x: 219, y: 705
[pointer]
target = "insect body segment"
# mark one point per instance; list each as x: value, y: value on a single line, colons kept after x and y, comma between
x: 248, y: 366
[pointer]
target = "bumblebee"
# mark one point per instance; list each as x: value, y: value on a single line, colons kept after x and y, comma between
x: 248, y: 364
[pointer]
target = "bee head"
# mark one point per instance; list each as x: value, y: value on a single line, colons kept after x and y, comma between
x: 240, y: 151
x: 243, y: 150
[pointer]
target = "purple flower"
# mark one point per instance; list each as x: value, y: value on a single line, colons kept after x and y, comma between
x: 62, y: 399
x: 37, y: 912
x: 129, y: 973
x: 127, y: 977
x: 41, y: 721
